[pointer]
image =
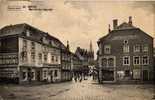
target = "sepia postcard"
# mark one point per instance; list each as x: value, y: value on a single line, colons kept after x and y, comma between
x: 77, y: 50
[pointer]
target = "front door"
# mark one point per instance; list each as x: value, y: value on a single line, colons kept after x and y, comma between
x: 145, y: 75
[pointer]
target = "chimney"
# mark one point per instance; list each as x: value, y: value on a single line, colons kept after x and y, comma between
x: 68, y: 45
x: 130, y: 20
x: 109, y: 29
x: 115, y: 23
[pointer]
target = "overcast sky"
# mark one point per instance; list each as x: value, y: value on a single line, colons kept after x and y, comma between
x: 80, y: 21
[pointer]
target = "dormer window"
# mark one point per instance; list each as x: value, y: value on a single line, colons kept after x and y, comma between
x: 28, y: 33
x: 107, y: 49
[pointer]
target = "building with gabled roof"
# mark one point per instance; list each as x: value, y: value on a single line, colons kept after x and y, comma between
x: 125, y: 54
x: 29, y: 54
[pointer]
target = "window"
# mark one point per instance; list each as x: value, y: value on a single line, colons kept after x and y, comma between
x: 24, y: 56
x: 136, y: 60
x: 45, y: 74
x: 145, y: 48
x: 125, y: 48
x: 126, y: 60
x: 28, y: 33
x: 45, y: 57
x: 145, y: 60
x: 107, y: 49
x: 125, y: 41
x: 24, y: 45
x: 32, y: 46
x: 56, y: 73
x: 137, y: 48
x: 52, y: 59
x: 104, y: 62
x: 56, y: 58
x: 40, y: 57
x: 33, y: 56
x: 111, y: 62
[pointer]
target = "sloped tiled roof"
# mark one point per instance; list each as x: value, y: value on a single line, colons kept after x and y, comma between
x: 12, y: 30
x: 125, y: 25
x: 124, y: 29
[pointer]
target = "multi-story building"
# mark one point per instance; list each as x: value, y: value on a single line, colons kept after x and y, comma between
x: 66, y: 70
x: 76, y: 64
x: 125, y: 54
x: 86, y: 57
x: 28, y: 54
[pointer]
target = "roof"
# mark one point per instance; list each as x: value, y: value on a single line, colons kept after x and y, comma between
x: 18, y: 29
x: 125, y: 30
x: 125, y: 25
x: 84, y: 53
x: 12, y: 29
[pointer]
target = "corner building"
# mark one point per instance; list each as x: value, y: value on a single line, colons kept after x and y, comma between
x: 28, y: 54
x: 125, y: 54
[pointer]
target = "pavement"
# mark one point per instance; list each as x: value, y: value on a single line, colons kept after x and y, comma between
x: 85, y: 90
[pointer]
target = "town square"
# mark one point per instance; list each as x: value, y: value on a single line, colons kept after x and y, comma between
x: 77, y: 50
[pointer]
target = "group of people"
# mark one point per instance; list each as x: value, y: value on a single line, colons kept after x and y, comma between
x: 78, y: 77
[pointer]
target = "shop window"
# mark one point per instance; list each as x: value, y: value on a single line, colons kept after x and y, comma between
x: 45, y: 74
x: 56, y: 73
x: 33, y: 75
x: 24, y: 75
x: 127, y: 73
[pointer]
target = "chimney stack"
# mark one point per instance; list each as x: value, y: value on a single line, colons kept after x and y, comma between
x: 130, y: 20
x: 109, y: 29
x: 68, y: 45
x: 115, y: 23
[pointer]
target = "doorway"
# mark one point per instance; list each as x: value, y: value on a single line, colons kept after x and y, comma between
x: 145, y: 75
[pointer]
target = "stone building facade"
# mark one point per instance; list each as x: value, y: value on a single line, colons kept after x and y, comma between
x: 86, y: 57
x: 125, y: 54
x: 28, y: 54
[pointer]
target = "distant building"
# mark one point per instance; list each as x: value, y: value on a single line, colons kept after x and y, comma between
x: 76, y: 64
x: 86, y: 57
x: 66, y: 70
x: 125, y: 54
x: 28, y: 54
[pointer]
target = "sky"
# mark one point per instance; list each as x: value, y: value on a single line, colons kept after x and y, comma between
x: 80, y: 21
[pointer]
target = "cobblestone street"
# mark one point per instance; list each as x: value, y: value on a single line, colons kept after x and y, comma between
x: 85, y: 90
